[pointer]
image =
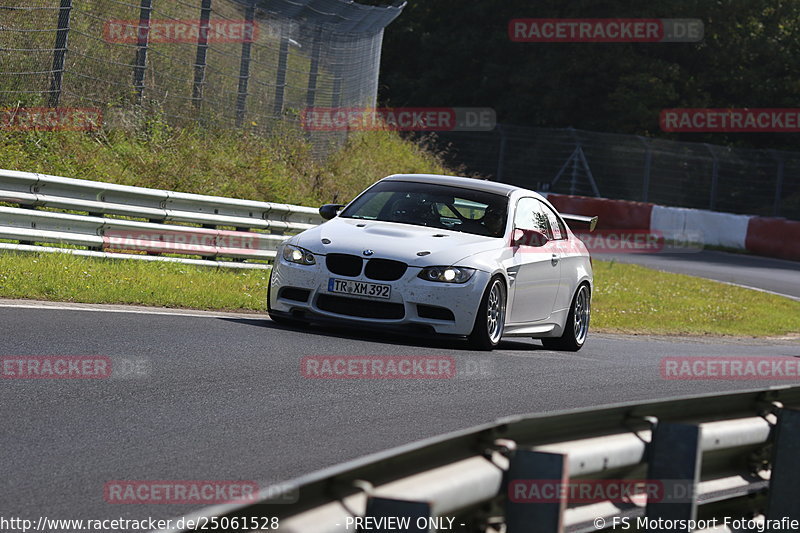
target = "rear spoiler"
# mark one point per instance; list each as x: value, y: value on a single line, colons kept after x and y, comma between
x: 590, y: 221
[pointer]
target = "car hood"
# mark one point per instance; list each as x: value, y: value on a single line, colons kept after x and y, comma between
x: 391, y: 240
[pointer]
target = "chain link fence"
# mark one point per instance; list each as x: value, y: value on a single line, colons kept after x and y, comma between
x: 251, y: 64
x: 682, y: 174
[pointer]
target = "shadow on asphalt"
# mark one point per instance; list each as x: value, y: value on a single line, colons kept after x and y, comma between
x: 419, y: 340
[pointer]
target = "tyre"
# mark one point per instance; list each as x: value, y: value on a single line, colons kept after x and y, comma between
x: 577, y: 327
x: 491, y: 317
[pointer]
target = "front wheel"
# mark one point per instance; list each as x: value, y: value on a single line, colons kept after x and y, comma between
x: 491, y: 317
x: 577, y: 327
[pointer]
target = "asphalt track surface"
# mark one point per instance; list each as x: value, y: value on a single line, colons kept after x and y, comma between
x: 223, y: 398
x: 774, y: 275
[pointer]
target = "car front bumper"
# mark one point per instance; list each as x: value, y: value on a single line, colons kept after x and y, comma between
x: 406, y: 307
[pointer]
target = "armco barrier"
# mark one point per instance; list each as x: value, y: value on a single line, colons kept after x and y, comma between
x: 774, y: 237
x: 263, y: 225
x: 714, y: 456
x: 715, y: 229
x: 771, y: 237
x: 168, y: 221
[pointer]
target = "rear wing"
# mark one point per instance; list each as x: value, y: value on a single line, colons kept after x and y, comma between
x: 581, y: 219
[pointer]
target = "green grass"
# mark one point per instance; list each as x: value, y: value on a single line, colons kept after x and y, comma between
x: 635, y: 299
x: 278, y: 168
x: 68, y: 278
x: 627, y: 299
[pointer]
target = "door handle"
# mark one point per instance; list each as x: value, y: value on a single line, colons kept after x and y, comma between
x: 554, y: 259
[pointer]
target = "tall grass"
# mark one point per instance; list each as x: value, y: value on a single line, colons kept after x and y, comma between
x: 278, y: 168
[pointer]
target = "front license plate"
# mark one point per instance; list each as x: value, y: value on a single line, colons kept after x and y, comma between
x: 360, y: 288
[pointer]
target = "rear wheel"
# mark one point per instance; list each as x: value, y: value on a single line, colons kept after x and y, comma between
x: 577, y: 327
x: 491, y: 318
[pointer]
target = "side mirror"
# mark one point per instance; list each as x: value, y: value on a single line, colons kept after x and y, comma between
x: 329, y: 211
x: 529, y: 237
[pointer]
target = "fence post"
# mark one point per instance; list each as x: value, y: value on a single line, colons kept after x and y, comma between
x: 142, y: 43
x: 60, y: 51
x: 280, y: 82
x: 501, y: 158
x: 776, y: 205
x: 648, y: 163
x: 316, y: 52
x: 202, y: 51
x: 336, y: 98
x: 712, y: 202
x: 244, y: 68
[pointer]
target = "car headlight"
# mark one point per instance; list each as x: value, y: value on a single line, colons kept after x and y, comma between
x: 295, y: 254
x: 445, y: 274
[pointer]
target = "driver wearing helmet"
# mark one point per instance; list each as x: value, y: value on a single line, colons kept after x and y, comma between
x: 494, y: 221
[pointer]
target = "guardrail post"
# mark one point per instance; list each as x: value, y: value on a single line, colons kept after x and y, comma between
x: 244, y: 68
x: 142, y: 43
x: 674, y: 461
x: 202, y: 51
x: 784, y: 482
x: 60, y: 51
x: 386, y: 507
x: 526, y: 513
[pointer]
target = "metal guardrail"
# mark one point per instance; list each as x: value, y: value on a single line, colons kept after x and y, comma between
x: 163, y: 225
x: 734, y: 455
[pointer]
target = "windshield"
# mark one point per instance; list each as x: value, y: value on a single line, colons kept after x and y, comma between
x: 436, y: 206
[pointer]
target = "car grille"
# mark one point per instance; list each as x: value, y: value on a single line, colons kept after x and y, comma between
x: 360, y: 308
x: 344, y: 264
x: 385, y: 269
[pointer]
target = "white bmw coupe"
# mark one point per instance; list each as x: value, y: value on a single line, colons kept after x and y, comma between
x: 450, y: 255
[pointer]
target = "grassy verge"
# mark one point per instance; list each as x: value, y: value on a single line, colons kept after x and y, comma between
x: 627, y: 299
x: 68, y: 278
x: 278, y: 168
x: 635, y: 299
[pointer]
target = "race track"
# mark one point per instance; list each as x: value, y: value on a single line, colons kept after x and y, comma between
x: 223, y: 398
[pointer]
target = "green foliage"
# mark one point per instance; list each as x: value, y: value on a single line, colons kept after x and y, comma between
x: 278, y: 168
x: 455, y: 53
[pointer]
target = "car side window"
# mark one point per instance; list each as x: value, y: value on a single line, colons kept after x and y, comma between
x: 556, y: 225
x: 531, y: 214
